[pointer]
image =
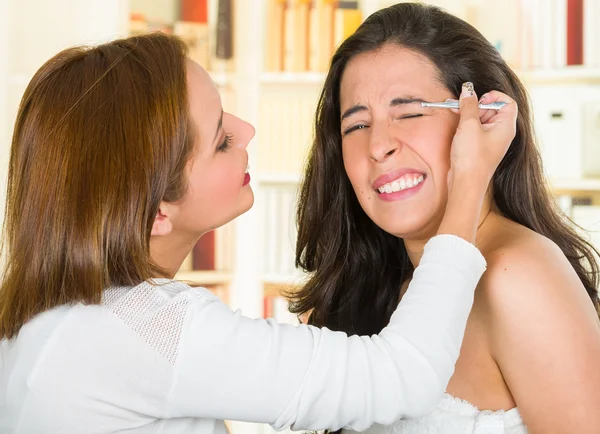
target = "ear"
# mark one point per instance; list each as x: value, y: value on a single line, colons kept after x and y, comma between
x: 162, y: 223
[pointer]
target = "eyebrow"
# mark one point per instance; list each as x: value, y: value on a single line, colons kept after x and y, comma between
x: 393, y: 103
x: 219, y: 125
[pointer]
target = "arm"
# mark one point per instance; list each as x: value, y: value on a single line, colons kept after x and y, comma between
x: 545, y: 338
x: 236, y: 368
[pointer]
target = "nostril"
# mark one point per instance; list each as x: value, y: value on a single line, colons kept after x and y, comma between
x: 390, y: 153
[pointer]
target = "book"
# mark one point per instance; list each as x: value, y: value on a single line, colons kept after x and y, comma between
x: 348, y: 17
x: 574, y: 32
x: 274, y: 50
x: 224, y: 35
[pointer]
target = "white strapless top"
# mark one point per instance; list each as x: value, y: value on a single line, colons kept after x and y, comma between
x: 456, y: 416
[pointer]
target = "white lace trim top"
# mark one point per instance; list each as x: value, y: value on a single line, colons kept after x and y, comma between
x: 457, y: 416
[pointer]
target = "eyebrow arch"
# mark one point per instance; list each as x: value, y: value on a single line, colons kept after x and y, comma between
x: 409, y: 100
x: 219, y: 125
x: 393, y: 103
x: 353, y: 110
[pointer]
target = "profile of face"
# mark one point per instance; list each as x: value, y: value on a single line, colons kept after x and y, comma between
x: 397, y: 153
x: 218, y: 183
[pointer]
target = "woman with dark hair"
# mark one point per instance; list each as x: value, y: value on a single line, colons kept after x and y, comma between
x: 121, y: 159
x: 532, y: 346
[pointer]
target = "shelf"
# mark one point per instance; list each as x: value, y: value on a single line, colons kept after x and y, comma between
x: 316, y: 78
x: 286, y: 178
x: 204, y: 277
x: 566, y: 75
x: 576, y: 74
x: 589, y: 184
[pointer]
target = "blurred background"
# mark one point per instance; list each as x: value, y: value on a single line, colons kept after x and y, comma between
x: 269, y: 59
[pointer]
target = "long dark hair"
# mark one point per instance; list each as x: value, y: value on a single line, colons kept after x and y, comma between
x: 101, y: 138
x: 356, y: 269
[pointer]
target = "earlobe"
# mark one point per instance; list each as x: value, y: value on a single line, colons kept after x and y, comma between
x: 162, y: 224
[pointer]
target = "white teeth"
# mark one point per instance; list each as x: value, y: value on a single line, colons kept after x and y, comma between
x: 247, y: 168
x: 401, y: 184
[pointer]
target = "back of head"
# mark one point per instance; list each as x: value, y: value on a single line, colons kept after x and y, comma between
x: 101, y: 137
x: 356, y: 267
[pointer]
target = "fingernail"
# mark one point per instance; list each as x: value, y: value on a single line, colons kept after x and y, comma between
x: 483, y: 97
x: 467, y: 90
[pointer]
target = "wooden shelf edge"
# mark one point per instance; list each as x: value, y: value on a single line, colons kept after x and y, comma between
x: 583, y: 184
x: 568, y: 74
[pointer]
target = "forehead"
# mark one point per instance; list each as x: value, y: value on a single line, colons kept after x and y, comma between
x: 204, y: 100
x: 390, y: 71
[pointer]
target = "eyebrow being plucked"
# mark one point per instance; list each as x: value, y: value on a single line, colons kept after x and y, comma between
x: 393, y: 103
x: 219, y: 125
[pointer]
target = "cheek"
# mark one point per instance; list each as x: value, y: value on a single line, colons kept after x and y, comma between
x: 356, y: 166
x: 436, y: 142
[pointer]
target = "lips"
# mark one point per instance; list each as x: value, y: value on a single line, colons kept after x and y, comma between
x: 394, y: 175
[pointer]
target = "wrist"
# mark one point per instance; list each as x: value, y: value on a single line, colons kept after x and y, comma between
x: 467, y: 184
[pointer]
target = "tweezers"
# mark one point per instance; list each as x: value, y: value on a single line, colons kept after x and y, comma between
x: 454, y: 104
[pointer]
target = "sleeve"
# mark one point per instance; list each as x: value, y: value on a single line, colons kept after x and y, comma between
x: 236, y: 368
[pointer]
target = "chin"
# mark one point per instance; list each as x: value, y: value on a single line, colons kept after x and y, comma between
x: 246, y: 203
x: 410, y: 228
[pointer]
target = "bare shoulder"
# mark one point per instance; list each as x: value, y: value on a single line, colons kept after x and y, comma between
x: 527, y: 270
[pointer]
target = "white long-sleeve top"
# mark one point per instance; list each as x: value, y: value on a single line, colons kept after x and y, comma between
x: 167, y: 358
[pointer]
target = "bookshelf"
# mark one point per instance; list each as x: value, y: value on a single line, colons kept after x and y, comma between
x: 280, y: 104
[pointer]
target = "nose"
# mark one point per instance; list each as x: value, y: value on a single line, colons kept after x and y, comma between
x: 382, y: 145
x: 246, y: 132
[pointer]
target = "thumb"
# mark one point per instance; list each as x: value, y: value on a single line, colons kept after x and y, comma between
x: 469, y: 106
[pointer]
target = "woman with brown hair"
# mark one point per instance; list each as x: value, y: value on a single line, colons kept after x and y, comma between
x: 121, y: 159
x: 531, y: 354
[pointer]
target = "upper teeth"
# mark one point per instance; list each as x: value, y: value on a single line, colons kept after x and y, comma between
x: 401, y: 184
x: 247, y: 168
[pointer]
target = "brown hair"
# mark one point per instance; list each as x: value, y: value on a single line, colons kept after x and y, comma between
x: 101, y: 138
x: 356, y: 267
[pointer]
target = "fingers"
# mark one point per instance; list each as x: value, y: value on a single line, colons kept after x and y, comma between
x: 508, y: 113
x: 469, y: 109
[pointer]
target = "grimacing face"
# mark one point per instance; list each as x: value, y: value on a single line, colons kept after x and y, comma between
x: 396, y: 152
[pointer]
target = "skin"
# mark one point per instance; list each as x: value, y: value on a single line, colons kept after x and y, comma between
x: 216, y: 174
x: 533, y: 336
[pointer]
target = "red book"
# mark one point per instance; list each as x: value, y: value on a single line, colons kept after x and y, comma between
x: 195, y: 11
x: 203, y: 253
x: 574, y: 32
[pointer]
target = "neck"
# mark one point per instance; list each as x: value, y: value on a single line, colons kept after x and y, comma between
x: 169, y: 251
x: 414, y: 247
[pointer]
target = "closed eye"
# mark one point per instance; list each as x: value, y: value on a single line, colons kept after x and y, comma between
x: 354, y: 128
x: 410, y: 116
x: 226, y: 144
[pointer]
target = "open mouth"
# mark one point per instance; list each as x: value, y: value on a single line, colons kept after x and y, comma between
x: 402, y: 183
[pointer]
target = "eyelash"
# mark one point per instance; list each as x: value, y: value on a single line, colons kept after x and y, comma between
x: 360, y: 127
x: 224, y: 147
